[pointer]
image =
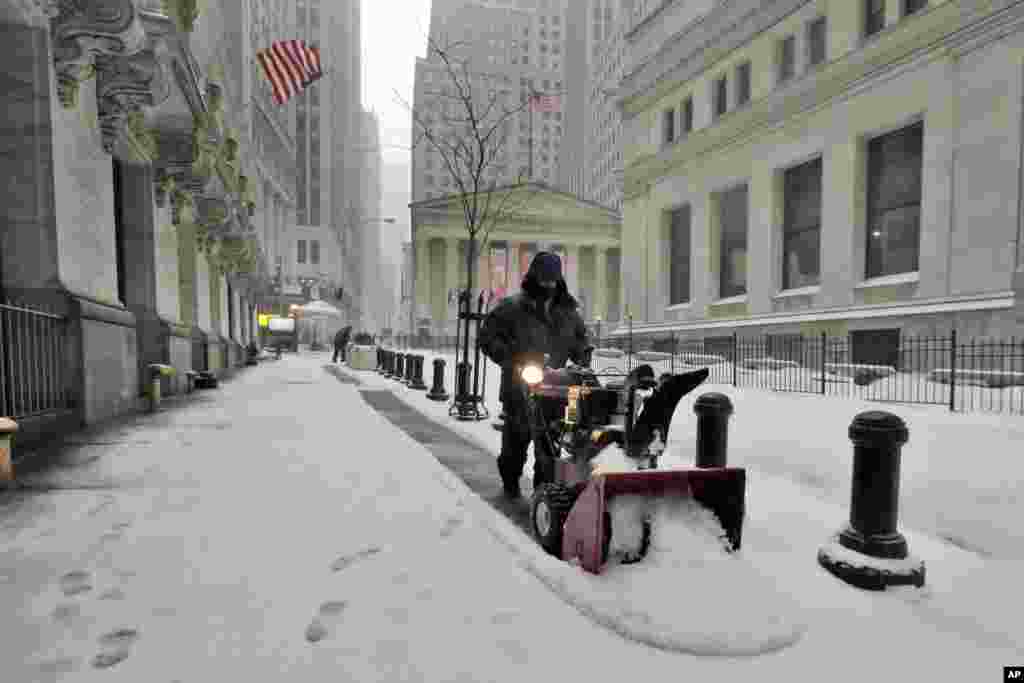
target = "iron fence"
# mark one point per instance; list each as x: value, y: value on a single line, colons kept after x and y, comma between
x: 984, y: 375
x: 34, y: 366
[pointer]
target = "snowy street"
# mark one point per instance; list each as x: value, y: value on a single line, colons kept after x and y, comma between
x: 280, y: 527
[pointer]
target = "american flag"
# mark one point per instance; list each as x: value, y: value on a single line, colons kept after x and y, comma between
x: 543, y: 103
x: 290, y: 66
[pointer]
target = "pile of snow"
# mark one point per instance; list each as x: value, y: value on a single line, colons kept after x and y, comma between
x: 614, y: 459
x: 688, y: 594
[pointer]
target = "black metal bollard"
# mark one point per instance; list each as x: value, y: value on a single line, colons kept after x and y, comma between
x: 380, y: 358
x: 409, y: 364
x: 417, y: 374
x: 399, y: 374
x: 385, y: 367
x: 437, y: 392
x: 713, y: 411
x: 462, y: 371
x: 873, y: 529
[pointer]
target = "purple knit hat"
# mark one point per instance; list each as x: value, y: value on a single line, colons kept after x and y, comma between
x: 546, y: 267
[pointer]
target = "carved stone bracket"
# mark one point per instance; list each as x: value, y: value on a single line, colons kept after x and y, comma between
x: 125, y: 84
x: 85, y: 29
x: 174, y: 160
x: 180, y: 197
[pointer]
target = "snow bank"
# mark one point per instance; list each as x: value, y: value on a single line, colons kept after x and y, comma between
x: 687, y: 596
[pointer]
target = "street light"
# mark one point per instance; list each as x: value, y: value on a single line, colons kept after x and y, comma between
x: 354, y: 222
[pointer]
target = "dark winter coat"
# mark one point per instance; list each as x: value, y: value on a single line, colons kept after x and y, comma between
x: 519, y: 324
x: 341, y: 338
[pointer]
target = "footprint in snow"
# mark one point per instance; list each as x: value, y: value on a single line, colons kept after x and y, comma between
x: 116, y: 646
x: 327, y: 616
x: 75, y: 583
x: 112, y: 594
x: 346, y: 561
x: 61, y: 665
x: 450, y: 525
x: 66, y: 610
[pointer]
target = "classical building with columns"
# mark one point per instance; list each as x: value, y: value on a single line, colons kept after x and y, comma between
x: 585, y: 234
x: 150, y: 183
x: 803, y: 167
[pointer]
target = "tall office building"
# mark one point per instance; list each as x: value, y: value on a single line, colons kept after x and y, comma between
x: 318, y: 261
x: 373, y: 302
x: 607, y: 24
x: 514, y: 47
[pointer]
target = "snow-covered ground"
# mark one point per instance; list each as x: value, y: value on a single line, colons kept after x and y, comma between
x: 278, y: 528
x: 798, y: 458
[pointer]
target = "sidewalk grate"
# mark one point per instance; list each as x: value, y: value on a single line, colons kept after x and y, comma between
x: 470, y: 463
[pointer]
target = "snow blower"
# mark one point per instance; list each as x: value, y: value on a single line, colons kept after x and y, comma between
x: 574, y: 417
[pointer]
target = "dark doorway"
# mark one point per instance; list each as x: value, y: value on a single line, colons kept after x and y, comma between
x: 119, y: 232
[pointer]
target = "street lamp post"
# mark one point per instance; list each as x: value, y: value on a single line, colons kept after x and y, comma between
x: 355, y: 222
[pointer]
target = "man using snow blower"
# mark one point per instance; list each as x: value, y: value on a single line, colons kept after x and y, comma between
x: 542, y: 318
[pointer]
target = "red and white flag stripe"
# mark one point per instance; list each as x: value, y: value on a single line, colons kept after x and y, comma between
x: 289, y: 66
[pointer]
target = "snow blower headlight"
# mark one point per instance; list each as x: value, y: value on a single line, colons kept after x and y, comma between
x: 532, y: 374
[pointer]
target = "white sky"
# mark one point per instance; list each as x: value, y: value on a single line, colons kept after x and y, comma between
x: 394, y: 35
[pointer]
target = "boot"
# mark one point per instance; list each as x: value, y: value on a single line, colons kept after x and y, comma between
x: 511, y: 489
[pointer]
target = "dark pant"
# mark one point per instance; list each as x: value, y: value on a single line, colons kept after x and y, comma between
x: 515, y: 440
x: 338, y: 351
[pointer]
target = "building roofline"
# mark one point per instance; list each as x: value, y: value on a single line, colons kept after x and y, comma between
x: 544, y: 187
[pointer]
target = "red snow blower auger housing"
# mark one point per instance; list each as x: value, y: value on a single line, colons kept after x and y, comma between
x: 574, y: 417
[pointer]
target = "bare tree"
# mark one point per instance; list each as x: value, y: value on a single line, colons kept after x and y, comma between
x: 470, y: 131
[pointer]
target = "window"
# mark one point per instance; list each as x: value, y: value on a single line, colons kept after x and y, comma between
x: 913, y: 6
x: 894, y: 201
x: 679, y: 265
x: 732, y: 214
x: 721, y: 96
x: 787, y: 58
x: 816, y: 34
x: 801, y: 231
x: 743, y: 83
x: 876, y: 347
x: 314, y: 252
x: 687, y: 116
x: 301, y: 256
x: 669, y: 126
x: 874, y: 16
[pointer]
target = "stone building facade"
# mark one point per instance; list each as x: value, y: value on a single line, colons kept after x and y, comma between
x: 149, y: 185
x: 586, y: 236
x: 796, y: 167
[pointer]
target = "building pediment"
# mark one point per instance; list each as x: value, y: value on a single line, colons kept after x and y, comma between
x: 524, y: 207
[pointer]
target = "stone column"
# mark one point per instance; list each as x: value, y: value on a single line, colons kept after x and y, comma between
x: 422, y: 269
x: 843, y: 211
x: 600, y: 293
x: 763, y: 225
x: 572, y: 268
x: 451, y: 252
x: 514, y: 274
x: 136, y: 215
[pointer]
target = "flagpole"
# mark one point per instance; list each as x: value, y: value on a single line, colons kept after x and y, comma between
x: 529, y: 176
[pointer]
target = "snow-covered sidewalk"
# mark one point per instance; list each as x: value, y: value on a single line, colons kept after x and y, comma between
x: 278, y: 528
x: 789, y: 517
